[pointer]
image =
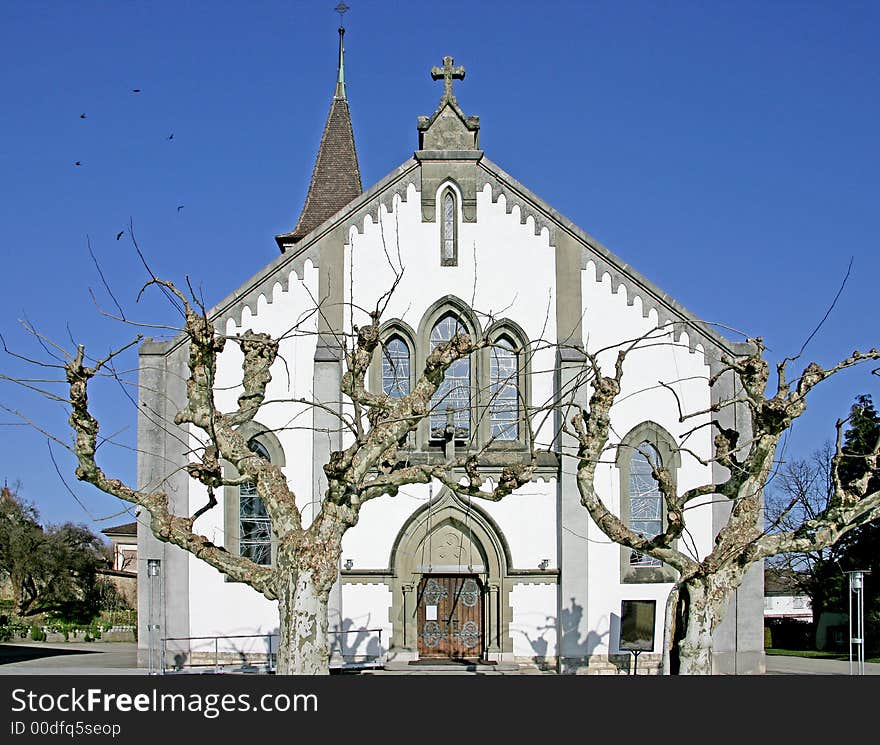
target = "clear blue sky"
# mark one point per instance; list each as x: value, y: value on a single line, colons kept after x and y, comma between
x: 727, y: 150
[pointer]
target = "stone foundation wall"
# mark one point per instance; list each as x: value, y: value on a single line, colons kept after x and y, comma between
x: 617, y: 664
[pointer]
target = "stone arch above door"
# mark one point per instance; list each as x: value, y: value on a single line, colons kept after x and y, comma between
x: 449, y: 548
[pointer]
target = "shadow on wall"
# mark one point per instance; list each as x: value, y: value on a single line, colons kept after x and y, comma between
x: 179, y: 661
x: 622, y: 660
x: 271, y: 644
x: 347, y: 642
x: 539, y: 644
x: 574, y: 651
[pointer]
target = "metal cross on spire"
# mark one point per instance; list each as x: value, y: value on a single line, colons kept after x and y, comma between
x: 340, y: 72
x: 448, y: 73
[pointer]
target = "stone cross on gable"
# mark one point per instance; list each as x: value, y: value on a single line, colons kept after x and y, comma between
x: 448, y: 73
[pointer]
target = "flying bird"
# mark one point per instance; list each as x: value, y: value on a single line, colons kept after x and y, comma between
x: 120, y: 234
x: 78, y: 163
x: 135, y: 90
x: 82, y: 116
x: 170, y: 137
x: 179, y: 207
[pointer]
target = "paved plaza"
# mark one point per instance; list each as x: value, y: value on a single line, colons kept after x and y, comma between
x: 120, y: 658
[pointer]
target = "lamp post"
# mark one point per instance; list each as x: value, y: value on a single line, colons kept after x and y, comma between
x: 857, y: 634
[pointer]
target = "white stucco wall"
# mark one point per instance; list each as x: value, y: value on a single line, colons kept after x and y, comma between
x: 366, y: 612
x: 504, y: 271
x: 788, y: 606
x: 526, y: 518
x: 215, y: 605
x: 610, y: 321
x: 533, y: 626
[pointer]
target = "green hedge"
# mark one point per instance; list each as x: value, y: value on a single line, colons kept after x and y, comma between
x: 789, y: 633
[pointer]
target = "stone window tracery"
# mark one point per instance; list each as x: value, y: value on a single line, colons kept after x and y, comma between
x: 454, y: 393
x: 395, y: 367
x: 254, y: 524
x: 503, y: 391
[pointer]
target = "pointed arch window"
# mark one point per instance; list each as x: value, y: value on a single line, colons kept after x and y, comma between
x: 454, y: 393
x: 645, y: 499
x: 504, y: 391
x: 254, y: 524
x: 448, y: 229
x: 395, y: 367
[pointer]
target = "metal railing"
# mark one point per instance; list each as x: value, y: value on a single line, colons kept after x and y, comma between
x: 340, y: 660
x: 220, y: 653
x: 224, y: 654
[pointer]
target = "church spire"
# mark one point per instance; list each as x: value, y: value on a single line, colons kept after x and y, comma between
x: 340, y: 75
x: 336, y: 178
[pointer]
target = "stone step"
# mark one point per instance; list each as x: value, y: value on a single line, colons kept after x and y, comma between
x: 451, y: 667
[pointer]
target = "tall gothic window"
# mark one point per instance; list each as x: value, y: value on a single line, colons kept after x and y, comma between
x: 646, y: 502
x: 503, y: 391
x: 254, y: 525
x: 455, y: 391
x: 448, y: 224
x: 395, y: 368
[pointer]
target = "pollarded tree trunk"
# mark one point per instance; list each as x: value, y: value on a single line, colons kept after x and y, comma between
x: 303, y: 647
x: 305, y: 573
x: 702, y: 604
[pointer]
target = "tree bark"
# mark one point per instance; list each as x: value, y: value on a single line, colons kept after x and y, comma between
x: 706, y: 599
x: 695, y: 647
x: 303, y: 647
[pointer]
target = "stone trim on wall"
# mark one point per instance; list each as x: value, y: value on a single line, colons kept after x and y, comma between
x: 449, y: 190
x: 160, y: 465
x: 439, y: 167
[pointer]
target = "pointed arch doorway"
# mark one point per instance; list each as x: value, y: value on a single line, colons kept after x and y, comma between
x: 451, y: 587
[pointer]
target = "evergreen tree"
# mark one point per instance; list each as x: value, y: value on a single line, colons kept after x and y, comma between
x: 860, y: 548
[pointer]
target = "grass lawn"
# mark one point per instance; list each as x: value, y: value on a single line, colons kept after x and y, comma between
x: 815, y: 653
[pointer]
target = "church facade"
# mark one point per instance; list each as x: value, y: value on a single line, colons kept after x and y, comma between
x: 429, y: 574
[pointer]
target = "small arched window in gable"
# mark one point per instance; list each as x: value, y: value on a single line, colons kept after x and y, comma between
x: 448, y: 229
x: 504, y: 391
x: 254, y: 524
x: 646, y: 501
x: 395, y: 367
x: 454, y: 393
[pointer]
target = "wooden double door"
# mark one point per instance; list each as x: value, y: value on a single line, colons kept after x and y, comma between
x: 450, y: 616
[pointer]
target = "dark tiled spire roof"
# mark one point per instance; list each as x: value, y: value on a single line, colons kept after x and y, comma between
x: 336, y: 179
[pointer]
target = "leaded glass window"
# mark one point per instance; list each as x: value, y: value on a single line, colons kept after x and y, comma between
x: 395, y: 368
x: 455, y: 391
x: 448, y: 252
x: 645, y: 500
x: 254, y: 525
x: 503, y: 391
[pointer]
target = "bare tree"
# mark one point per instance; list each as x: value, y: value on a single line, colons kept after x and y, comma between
x: 701, y: 594
x: 800, y: 491
x: 308, y: 553
x: 374, y: 464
